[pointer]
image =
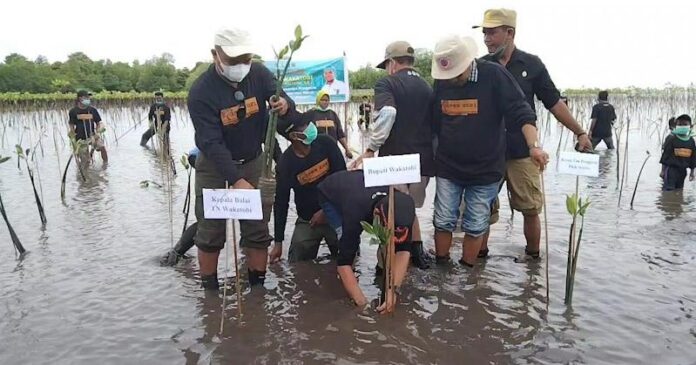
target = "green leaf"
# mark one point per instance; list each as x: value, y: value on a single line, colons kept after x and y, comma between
x: 19, y: 150
x: 583, y: 207
x: 572, y: 204
x: 298, y: 32
x: 4, y: 159
x: 367, y: 227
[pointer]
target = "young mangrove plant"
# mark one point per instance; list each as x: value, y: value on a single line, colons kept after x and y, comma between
x: 267, y: 183
x: 576, y: 206
x: 22, y: 155
x: 77, y: 147
x: 19, y: 249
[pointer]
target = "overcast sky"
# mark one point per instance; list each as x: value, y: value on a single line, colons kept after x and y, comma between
x: 583, y: 43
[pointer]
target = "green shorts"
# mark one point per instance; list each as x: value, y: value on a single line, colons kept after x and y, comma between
x: 210, y: 236
x: 306, y: 240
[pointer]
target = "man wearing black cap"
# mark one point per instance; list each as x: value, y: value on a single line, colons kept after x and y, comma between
x: 403, y: 125
x: 160, y: 114
x: 308, y: 161
x: 346, y: 202
x: 228, y: 107
x: 85, y: 122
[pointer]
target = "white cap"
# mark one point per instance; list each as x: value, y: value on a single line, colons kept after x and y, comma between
x: 234, y: 42
x: 452, y: 56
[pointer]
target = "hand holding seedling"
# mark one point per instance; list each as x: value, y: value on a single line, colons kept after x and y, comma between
x: 279, y: 105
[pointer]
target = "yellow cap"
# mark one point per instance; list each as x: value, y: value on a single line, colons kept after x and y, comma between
x: 494, y: 18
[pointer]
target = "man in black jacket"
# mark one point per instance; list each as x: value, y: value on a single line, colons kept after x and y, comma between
x: 228, y: 107
x: 475, y: 103
x: 159, y: 115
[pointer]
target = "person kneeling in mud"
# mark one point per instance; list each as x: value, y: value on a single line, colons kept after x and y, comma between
x: 345, y: 202
x: 186, y: 241
x: 308, y: 161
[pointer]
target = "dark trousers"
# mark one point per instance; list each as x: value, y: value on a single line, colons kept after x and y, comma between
x: 609, y: 141
x: 674, y: 178
x: 151, y: 132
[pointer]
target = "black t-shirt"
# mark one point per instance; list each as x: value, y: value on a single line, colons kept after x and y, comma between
x: 346, y: 191
x: 220, y: 133
x: 605, y: 116
x: 327, y: 122
x: 533, y: 78
x: 366, y: 112
x: 411, y: 96
x: 159, y: 110
x: 85, y: 121
x: 302, y: 175
x: 678, y: 153
x: 471, y: 121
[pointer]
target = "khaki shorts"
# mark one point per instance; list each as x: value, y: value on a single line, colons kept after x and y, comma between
x: 210, y: 236
x: 416, y: 191
x: 524, y: 186
x: 306, y: 240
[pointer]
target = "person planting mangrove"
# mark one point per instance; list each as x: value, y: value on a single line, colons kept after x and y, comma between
x: 186, y: 241
x: 85, y: 122
x: 522, y: 174
x: 603, y: 117
x: 403, y: 126
x: 308, y: 161
x: 345, y: 202
x: 327, y: 121
x: 228, y: 107
x: 678, y: 155
x: 159, y: 114
x: 475, y: 103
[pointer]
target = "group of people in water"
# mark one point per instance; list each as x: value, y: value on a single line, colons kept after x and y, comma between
x: 474, y: 130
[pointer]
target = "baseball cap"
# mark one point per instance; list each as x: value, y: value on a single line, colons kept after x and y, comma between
x: 397, y: 49
x: 82, y: 93
x: 404, y: 208
x: 452, y: 56
x: 234, y: 42
x: 494, y: 18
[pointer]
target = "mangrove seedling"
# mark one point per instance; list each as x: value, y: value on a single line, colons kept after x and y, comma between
x: 15, y: 240
x: 635, y: 188
x: 76, y: 146
x: 576, y: 206
x: 23, y: 156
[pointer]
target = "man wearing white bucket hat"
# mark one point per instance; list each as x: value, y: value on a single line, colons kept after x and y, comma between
x: 522, y: 177
x: 228, y: 109
x: 475, y: 102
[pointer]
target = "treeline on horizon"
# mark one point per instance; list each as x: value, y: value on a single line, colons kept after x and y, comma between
x: 18, y: 74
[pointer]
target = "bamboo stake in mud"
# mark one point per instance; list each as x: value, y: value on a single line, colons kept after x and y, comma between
x: 389, y: 262
x: 546, y: 239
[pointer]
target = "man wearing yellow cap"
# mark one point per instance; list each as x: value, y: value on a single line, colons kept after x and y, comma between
x: 522, y: 176
x: 475, y: 102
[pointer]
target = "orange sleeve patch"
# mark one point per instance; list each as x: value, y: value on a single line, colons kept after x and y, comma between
x: 314, y: 173
x: 682, y: 152
x: 460, y: 107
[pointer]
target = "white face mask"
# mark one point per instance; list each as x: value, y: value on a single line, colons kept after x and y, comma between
x: 235, y: 73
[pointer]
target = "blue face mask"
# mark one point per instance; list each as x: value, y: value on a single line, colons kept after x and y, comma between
x: 160, y: 102
x: 310, y: 133
x: 682, y: 131
x: 86, y: 102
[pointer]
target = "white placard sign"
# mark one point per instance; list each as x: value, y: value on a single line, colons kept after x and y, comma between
x: 232, y: 204
x: 392, y: 170
x: 575, y: 163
